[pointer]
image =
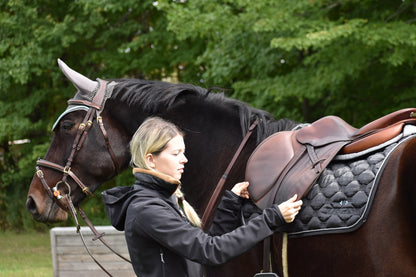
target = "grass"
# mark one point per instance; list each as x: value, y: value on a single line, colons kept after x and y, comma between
x: 25, y: 255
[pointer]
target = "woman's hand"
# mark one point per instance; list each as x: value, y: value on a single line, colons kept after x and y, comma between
x: 241, y: 189
x: 290, y: 208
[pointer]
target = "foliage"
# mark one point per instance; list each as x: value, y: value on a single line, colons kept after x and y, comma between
x: 306, y: 58
x: 300, y: 59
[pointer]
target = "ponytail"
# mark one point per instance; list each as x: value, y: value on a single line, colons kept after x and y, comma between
x: 188, y: 209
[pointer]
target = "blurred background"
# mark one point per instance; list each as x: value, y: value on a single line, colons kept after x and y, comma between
x: 299, y: 59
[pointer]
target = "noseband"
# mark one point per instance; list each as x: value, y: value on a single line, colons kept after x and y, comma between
x: 62, y: 189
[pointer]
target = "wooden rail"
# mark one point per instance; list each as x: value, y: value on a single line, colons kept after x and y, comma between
x: 70, y: 258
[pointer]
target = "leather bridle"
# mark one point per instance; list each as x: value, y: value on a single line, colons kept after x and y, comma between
x: 62, y: 190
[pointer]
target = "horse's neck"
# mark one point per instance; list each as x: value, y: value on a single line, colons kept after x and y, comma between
x: 209, y: 154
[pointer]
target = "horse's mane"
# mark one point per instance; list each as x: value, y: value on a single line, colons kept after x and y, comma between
x: 156, y: 96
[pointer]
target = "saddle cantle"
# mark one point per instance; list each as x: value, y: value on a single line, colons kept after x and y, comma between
x: 380, y: 130
x: 289, y: 162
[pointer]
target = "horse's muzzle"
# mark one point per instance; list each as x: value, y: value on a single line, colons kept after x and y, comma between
x: 50, y: 212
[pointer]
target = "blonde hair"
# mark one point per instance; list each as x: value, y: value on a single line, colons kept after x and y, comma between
x: 151, y: 138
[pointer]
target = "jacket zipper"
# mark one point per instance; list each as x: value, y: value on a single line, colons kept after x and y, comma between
x: 163, y: 262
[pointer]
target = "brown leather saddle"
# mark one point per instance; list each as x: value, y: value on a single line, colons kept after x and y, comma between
x: 289, y: 162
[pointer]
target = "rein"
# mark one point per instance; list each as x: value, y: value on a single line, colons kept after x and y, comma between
x: 213, y: 201
x: 62, y: 190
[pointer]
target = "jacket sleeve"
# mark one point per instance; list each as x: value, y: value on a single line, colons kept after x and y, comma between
x: 232, y: 212
x: 164, y: 225
x: 227, y: 216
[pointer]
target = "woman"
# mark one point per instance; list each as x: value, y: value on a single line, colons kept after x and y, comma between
x: 162, y: 233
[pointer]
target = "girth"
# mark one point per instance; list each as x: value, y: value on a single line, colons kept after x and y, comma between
x: 289, y: 162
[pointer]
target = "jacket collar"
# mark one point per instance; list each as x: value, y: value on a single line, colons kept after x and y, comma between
x: 161, y: 182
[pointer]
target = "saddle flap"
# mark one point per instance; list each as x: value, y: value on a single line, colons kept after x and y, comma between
x: 267, y: 162
x: 324, y: 131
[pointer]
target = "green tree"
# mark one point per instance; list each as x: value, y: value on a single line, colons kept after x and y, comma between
x: 305, y: 59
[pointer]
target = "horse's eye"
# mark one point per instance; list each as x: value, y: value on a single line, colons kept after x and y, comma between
x: 68, y: 125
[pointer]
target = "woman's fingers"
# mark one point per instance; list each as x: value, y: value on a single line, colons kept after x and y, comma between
x: 241, y: 189
x: 290, y: 208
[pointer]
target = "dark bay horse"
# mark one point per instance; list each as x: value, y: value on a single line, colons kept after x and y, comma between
x: 214, y: 126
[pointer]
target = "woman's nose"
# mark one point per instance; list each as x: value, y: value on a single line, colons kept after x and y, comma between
x: 184, y: 159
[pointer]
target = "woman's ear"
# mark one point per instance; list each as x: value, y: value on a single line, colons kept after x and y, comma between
x: 150, y: 161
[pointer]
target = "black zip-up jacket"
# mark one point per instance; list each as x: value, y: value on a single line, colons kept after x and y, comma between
x: 161, y: 241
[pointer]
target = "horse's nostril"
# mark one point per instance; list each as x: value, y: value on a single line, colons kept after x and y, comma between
x: 31, y: 205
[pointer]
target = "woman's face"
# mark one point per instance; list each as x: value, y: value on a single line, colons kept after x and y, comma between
x: 171, y: 161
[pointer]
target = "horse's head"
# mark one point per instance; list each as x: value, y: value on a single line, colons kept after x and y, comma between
x: 85, y: 151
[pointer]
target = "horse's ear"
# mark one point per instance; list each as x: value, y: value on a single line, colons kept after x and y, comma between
x: 82, y: 83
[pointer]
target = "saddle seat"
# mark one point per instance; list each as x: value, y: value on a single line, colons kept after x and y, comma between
x: 289, y: 162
